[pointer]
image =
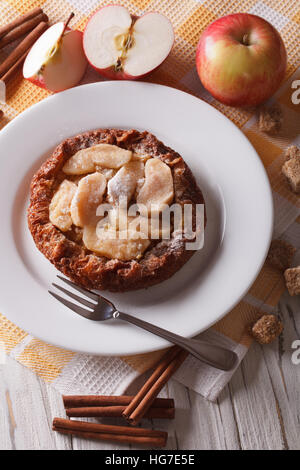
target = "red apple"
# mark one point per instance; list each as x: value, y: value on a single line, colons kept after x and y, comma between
x: 241, y: 59
x: 121, y: 46
x: 56, y: 61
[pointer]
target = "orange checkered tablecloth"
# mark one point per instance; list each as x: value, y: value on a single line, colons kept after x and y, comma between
x: 76, y: 373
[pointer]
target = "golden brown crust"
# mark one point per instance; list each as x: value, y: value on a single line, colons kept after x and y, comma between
x: 160, y: 261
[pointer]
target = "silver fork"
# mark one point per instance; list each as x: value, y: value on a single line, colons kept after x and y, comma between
x: 100, y: 309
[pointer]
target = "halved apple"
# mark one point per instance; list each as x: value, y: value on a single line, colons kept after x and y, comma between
x: 121, y: 46
x: 56, y: 61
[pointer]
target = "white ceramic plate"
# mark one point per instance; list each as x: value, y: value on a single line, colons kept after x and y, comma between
x: 227, y: 168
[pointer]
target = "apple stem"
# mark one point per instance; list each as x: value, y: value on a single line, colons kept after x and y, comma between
x: 67, y: 23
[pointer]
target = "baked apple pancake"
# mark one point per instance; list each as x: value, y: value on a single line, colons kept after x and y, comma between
x: 98, y: 209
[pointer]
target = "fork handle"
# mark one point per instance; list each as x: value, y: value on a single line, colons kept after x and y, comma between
x: 213, y: 355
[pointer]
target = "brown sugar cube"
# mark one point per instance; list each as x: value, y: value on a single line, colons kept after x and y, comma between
x: 267, y: 329
x: 270, y: 119
x: 291, y: 170
x: 292, y: 152
x: 292, y: 280
x: 280, y: 254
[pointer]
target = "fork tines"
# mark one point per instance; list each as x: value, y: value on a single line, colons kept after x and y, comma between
x: 84, y: 291
x: 76, y: 308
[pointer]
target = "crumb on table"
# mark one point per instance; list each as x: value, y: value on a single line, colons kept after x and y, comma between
x: 280, y: 254
x: 292, y: 280
x: 267, y: 329
x: 270, y: 119
x: 291, y: 170
x: 292, y: 152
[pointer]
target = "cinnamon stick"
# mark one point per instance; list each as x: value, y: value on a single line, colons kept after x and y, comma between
x: 1, y: 113
x: 117, y: 412
x: 20, y: 50
x: 161, y: 366
x: 105, y: 428
x: 116, y: 438
x: 14, y: 69
x: 79, y: 401
x: 22, y: 29
x: 105, y: 432
x: 20, y: 20
x: 145, y: 397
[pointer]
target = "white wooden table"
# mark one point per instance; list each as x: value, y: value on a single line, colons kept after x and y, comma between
x: 260, y: 409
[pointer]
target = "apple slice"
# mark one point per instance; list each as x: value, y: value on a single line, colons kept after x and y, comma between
x: 100, y: 155
x: 60, y: 206
x: 122, y: 186
x: 123, y: 246
x: 56, y: 61
x: 123, y: 47
x: 87, y: 198
x: 157, y: 190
